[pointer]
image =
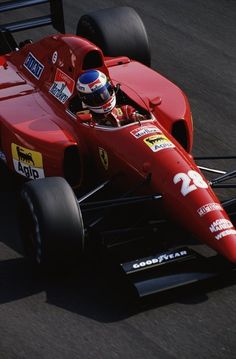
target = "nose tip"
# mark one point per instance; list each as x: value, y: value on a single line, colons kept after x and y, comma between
x: 227, y: 243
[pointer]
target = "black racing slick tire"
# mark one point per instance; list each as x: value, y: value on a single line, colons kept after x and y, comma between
x: 118, y: 31
x: 51, y: 223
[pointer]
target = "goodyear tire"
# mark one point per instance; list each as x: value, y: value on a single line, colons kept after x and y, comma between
x: 51, y: 223
x: 117, y: 31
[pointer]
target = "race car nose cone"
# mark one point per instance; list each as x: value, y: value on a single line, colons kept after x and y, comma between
x: 227, y: 245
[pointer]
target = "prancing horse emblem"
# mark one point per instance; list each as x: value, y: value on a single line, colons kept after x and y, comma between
x: 24, y: 157
x: 103, y: 157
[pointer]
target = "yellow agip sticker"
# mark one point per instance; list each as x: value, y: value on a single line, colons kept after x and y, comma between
x: 158, y: 142
x: 26, y: 162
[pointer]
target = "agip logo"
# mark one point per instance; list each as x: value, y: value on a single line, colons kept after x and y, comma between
x: 158, y: 142
x: 26, y: 162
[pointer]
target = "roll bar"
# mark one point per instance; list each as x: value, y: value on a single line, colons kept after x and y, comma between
x: 55, y: 18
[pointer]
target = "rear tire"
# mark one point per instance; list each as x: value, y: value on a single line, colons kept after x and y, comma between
x: 117, y: 31
x: 51, y: 223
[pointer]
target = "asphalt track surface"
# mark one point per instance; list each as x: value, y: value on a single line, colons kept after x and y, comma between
x: 87, y: 316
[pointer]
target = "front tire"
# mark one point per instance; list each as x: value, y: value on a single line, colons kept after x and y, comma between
x: 51, y: 223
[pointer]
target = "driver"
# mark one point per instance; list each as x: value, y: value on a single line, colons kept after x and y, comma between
x: 98, y: 95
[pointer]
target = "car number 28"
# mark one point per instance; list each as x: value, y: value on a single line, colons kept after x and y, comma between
x: 190, y: 181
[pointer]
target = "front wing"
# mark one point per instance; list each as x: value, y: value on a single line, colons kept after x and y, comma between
x: 171, y: 269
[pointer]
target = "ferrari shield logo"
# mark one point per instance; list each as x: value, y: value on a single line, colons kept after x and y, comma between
x: 103, y: 157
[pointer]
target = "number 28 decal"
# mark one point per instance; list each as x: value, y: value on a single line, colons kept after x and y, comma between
x: 190, y: 181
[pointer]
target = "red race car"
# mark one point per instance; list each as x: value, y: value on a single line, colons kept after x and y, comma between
x: 137, y: 168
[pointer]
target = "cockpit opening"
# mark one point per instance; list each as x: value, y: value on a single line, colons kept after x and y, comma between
x: 92, y: 59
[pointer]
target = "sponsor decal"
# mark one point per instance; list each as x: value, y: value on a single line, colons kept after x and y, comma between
x: 103, y: 157
x: 158, y: 142
x: 3, y: 157
x: 62, y: 87
x: 209, y: 207
x: 225, y: 233
x: 220, y: 224
x: 26, y: 162
x: 95, y: 85
x: 162, y: 258
x: 108, y: 106
x: 54, y: 57
x: 119, y: 111
x: 144, y: 130
x: 33, y: 66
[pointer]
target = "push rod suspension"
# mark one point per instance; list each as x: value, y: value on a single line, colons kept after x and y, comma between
x: 91, y: 206
x: 223, y: 178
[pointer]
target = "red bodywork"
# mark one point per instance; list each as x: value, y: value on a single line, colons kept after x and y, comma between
x: 37, y: 131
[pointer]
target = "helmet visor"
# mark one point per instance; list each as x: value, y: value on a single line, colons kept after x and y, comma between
x: 98, y: 97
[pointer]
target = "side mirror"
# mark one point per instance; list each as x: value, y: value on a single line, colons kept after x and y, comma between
x: 3, y: 62
x: 84, y: 117
x: 155, y: 102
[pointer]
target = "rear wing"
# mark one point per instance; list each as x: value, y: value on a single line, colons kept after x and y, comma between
x: 56, y: 16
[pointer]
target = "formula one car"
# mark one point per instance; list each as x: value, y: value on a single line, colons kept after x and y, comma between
x: 141, y: 176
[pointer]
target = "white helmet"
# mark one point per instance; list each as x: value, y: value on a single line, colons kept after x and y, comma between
x: 96, y: 91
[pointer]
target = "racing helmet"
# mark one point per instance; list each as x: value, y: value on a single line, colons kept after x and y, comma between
x: 96, y: 91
